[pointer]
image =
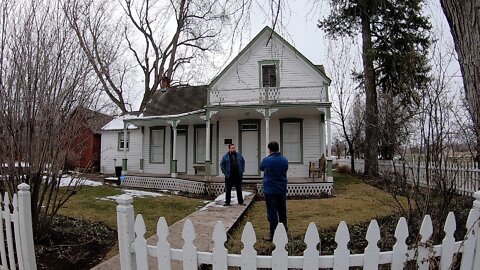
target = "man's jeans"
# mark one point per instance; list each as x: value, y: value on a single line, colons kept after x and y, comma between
x: 276, y: 211
x: 228, y: 189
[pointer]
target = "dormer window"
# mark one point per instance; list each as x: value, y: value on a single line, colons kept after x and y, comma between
x: 269, y: 74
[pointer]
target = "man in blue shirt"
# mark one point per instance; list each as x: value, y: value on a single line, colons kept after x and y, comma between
x: 275, y: 168
x: 233, y: 166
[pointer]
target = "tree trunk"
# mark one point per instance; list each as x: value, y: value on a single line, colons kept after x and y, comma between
x: 352, y: 159
x: 371, y: 109
x: 464, y: 19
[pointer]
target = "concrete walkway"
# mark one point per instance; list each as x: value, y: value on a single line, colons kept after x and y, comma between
x: 203, y: 221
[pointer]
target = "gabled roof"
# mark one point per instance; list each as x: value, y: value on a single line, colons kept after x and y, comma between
x: 177, y: 100
x: 320, y: 71
x: 93, y: 120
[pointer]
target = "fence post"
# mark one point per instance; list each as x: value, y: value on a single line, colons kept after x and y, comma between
x: 476, y: 203
x: 126, y: 232
x: 25, y: 225
x: 476, y: 206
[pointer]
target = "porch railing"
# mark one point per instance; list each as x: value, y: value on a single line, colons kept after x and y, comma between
x: 268, y: 95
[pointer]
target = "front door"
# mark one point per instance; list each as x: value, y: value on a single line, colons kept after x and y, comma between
x: 181, y: 150
x: 249, y: 146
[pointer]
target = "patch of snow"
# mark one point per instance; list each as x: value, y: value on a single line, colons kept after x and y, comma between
x: 68, y: 181
x: 220, y: 200
x: 117, y: 124
x: 133, y: 193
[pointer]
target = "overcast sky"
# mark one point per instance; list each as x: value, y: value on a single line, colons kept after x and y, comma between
x: 300, y: 21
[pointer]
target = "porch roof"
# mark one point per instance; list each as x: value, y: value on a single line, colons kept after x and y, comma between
x: 176, y: 101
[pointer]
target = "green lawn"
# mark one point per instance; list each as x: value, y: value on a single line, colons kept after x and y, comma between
x: 87, y: 205
x: 354, y: 202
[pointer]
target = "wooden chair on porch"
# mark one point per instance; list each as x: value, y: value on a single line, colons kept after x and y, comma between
x: 317, y: 169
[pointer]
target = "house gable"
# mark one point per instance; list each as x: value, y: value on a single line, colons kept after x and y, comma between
x: 293, y: 69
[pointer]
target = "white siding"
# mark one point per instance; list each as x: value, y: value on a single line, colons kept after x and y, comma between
x: 245, y: 73
x: 228, y: 130
x: 311, y: 140
x: 311, y: 143
x: 158, y: 168
x: 109, y: 151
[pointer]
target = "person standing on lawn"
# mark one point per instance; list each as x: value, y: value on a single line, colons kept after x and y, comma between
x: 275, y: 168
x: 233, y: 167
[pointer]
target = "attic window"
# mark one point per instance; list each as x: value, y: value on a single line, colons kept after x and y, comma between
x: 269, y: 76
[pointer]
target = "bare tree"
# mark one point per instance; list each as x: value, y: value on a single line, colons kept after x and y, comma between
x: 43, y: 79
x: 464, y: 20
x: 345, y: 99
x: 426, y: 177
x: 124, y: 40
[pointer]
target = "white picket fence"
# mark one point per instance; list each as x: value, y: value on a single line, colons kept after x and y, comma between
x: 134, y: 249
x: 16, y: 234
x: 465, y: 177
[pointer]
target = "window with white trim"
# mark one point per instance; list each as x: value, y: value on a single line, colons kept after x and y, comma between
x: 157, y: 145
x: 292, y: 140
x: 121, y: 141
x: 200, y: 144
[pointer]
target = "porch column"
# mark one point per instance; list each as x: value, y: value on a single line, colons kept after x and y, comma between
x: 141, y: 150
x: 329, y: 148
x: 322, y: 132
x: 267, y: 133
x: 208, y: 162
x: 124, y: 160
x: 173, y: 164
x: 267, y: 112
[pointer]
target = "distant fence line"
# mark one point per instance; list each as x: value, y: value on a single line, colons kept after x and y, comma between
x: 135, y: 251
x: 464, y: 176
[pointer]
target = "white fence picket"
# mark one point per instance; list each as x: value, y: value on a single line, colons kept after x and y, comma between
x: 189, y: 255
x: 423, y: 256
x: 470, y: 240
x: 220, y: 253
x: 310, y: 255
x: 249, y: 254
x: 3, y: 251
x: 16, y: 231
x: 280, y: 254
x: 448, y: 243
x: 400, y: 248
x: 476, y: 207
x: 141, y: 250
x: 163, y: 247
x: 372, y: 251
x: 341, y: 253
x: 8, y: 228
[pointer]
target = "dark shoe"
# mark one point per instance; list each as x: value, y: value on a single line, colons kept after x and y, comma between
x: 226, y: 204
x: 242, y: 204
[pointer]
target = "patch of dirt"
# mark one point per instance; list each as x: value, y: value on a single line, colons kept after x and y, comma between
x: 74, y: 244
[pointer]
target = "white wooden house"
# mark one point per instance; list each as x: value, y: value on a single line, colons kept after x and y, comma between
x: 270, y: 91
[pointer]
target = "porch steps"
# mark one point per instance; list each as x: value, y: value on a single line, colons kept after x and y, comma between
x: 204, y: 223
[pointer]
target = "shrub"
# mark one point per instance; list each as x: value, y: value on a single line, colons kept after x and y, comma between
x: 343, y: 169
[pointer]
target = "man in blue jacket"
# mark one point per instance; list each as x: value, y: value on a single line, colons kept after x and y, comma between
x: 275, y: 168
x: 233, y: 166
